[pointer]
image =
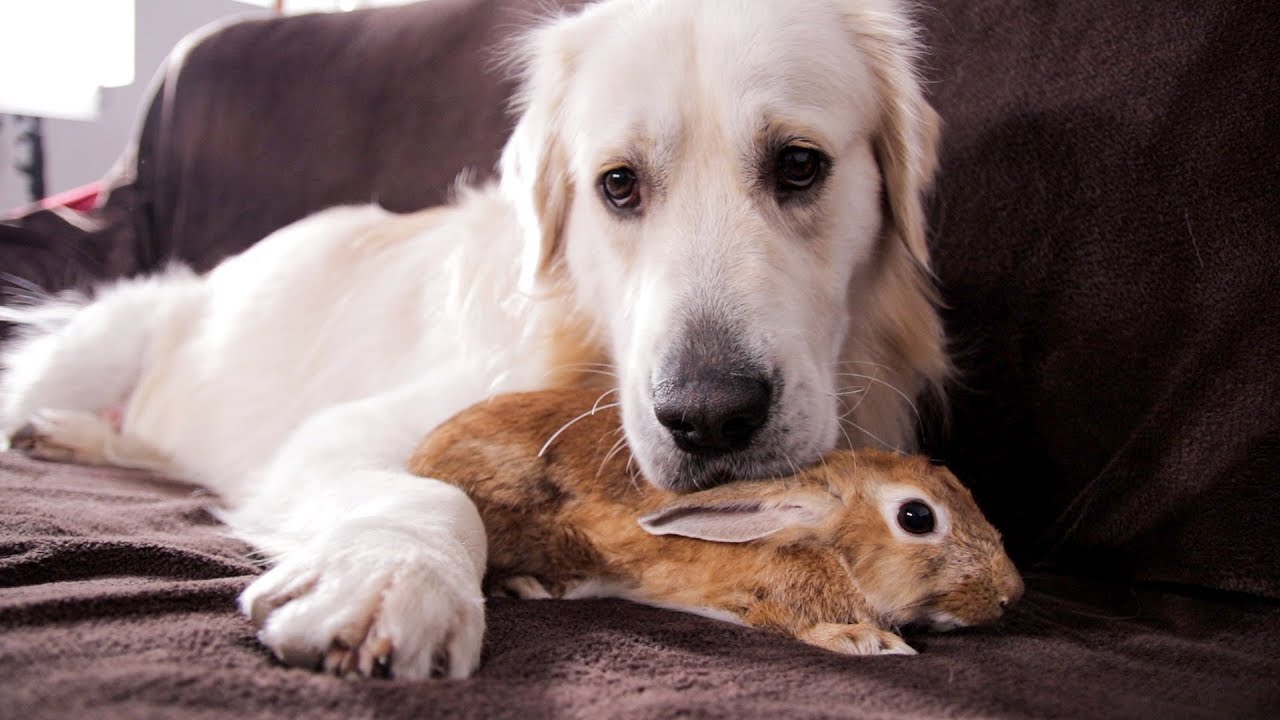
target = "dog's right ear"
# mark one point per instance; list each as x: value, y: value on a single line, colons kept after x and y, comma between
x: 534, y: 163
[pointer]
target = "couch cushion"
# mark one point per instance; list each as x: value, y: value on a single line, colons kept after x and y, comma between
x: 1106, y: 234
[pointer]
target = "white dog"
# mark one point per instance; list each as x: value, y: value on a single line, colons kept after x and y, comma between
x: 717, y: 202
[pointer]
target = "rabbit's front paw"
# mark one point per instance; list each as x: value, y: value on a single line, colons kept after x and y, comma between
x: 525, y: 587
x: 856, y: 639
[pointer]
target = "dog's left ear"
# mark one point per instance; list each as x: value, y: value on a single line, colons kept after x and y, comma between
x: 905, y: 142
x: 534, y: 163
x: 907, y: 134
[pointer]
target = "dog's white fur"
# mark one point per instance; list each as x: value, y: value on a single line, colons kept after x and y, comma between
x: 295, y: 378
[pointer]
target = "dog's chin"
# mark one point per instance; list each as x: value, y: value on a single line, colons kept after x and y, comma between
x: 666, y: 466
x: 698, y: 473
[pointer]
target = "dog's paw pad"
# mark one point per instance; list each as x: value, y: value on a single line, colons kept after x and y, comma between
x: 372, y: 609
x: 58, y: 437
x: 25, y: 438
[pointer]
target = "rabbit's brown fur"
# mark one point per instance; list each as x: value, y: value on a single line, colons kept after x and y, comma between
x: 829, y: 570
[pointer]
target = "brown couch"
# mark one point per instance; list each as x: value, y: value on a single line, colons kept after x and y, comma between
x: 1107, y: 235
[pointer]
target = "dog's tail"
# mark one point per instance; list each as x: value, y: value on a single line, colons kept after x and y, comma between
x: 73, y: 353
x: 45, y: 314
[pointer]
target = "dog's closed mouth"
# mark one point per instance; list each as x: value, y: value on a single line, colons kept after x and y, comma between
x: 709, y: 480
x: 701, y: 473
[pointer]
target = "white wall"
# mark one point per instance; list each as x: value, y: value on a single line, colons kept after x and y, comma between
x: 78, y: 152
x: 13, y: 190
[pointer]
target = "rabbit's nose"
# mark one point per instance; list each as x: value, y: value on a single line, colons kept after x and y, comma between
x: 1011, y: 588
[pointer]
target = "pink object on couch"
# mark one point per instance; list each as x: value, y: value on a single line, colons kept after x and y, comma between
x: 82, y: 198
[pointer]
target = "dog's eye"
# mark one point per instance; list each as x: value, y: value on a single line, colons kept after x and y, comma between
x: 621, y: 188
x: 916, y: 517
x: 798, y: 168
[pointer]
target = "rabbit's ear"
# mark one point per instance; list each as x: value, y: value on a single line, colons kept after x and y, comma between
x: 736, y: 517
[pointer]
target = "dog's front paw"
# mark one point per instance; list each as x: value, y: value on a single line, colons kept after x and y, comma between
x: 856, y: 639
x: 377, y: 604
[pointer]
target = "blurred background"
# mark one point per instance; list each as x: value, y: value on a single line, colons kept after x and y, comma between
x: 74, y: 75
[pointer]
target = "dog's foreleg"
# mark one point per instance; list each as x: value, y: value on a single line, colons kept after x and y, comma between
x: 376, y: 571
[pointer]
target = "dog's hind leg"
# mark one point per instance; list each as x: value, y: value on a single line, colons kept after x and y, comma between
x: 79, y: 436
x: 74, y: 366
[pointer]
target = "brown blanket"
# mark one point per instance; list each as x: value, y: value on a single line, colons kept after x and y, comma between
x: 117, y: 600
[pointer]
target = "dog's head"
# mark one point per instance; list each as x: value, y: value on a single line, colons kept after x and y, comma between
x: 732, y: 192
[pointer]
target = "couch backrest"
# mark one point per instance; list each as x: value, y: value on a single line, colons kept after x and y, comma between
x: 1107, y: 232
x: 263, y: 122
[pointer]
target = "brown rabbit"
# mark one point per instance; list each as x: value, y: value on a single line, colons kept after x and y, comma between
x: 835, y: 556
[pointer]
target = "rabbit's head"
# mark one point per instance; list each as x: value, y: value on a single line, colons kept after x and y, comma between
x: 915, y: 544
x: 920, y: 549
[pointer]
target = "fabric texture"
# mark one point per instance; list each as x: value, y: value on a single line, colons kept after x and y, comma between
x: 117, y: 593
x: 1104, y: 232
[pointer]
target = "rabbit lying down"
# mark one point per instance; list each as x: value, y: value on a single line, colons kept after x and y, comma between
x: 836, y: 556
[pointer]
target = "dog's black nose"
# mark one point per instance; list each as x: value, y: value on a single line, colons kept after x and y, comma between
x: 713, y: 416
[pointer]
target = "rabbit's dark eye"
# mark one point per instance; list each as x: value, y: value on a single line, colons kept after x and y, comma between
x: 915, y: 517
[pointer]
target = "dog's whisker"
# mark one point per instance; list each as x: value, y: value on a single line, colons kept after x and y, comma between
x: 603, y: 366
x: 851, y: 409
x: 567, y: 425
x: 854, y: 408
x: 891, y: 386
x: 795, y: 470
x: 613, y: 452
x: 590, y: 368
x: 595, y: 407
x: 847, y: 440
x: 823, y: 459
x: 871, y: 435
x: 633, y: 470
x: 864, y: 362
x: 594, y: 371
x: 585, y: 371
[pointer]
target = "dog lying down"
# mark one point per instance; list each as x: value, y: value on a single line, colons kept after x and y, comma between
x: 836, y: 555
x: 717, y: 203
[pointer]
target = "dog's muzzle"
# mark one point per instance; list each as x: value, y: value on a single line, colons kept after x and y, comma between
x: 711, y: 395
